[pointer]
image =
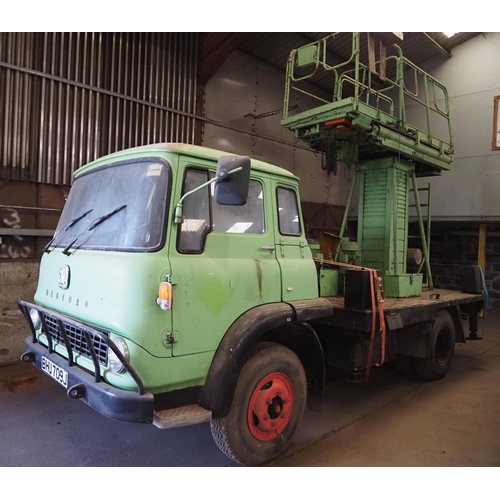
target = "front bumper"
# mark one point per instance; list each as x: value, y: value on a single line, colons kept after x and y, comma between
x: 108, y: 400
x: 79, y: 338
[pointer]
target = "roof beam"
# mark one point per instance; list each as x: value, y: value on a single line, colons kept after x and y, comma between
x: 437, y: 46
x: 215, y: 49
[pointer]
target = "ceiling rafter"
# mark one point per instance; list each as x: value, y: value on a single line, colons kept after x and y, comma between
x: 215, y: 49
x: 418, y: 47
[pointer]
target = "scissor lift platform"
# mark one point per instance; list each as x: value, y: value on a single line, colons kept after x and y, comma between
x: 368, y: 117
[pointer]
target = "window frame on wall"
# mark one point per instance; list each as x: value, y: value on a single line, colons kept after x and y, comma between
x: 496, y: 123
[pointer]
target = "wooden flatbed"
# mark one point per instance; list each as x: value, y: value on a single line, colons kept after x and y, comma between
x: 401, y: 312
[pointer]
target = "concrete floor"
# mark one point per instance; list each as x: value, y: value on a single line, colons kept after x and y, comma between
x: 395, y: 420
x: 400, y: 420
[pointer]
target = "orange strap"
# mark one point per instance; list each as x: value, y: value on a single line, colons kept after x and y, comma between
x: 374, y: 299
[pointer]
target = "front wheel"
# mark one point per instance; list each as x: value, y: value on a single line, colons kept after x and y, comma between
x: 268, y: 404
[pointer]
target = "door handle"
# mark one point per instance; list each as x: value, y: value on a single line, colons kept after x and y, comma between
x: 271, y: 248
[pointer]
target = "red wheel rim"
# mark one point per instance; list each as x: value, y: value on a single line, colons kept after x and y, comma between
x: 270, y: 406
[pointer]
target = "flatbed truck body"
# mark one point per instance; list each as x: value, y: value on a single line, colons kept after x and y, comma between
x: 180, y: 286
x: 202, y: 319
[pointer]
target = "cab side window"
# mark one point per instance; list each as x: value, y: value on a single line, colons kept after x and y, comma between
x: 248, y: 218
x: 288, y: 212
x: 196, y: 213
x: 201, y: 214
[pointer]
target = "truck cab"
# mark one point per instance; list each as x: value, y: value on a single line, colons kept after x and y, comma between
x: 152, y: 295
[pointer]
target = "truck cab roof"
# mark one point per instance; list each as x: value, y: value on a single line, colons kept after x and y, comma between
x: 186, y: 150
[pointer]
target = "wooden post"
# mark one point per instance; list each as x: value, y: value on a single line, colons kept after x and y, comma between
x: 383, y: 39
x: 371, y: 54
x: 383, y: 64
x: 481, y: 253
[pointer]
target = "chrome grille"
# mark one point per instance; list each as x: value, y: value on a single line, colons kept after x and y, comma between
x: 77, y: 339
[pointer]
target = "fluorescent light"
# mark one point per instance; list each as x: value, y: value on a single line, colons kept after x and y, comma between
x: 449, y: 34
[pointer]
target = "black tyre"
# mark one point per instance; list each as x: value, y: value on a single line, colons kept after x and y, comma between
x: 440, y: 350
x: 267, y: 407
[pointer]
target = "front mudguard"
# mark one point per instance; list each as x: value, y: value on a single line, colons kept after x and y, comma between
x: 266, y: 322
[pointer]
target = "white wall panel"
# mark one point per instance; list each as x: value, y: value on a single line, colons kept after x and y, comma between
x: 230, y: 94
x: 270, y: 90
x: 469, y: 192
x: 275, y: 153
x: 313, y: 183
x: 471, y: 189
x: 473, y: 67
x: 227, y: 140
x: 244, y: 86
x: 472, y: 120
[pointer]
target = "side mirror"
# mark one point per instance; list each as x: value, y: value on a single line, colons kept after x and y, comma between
x: 232, y: 179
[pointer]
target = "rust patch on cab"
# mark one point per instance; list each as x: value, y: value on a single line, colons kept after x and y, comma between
x: 259, y: 275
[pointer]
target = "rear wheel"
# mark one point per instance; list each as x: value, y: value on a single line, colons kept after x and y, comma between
x: 440, y: 349
x: 267, y: 407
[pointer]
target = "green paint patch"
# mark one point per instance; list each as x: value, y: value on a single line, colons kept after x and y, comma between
x: 214, y: 295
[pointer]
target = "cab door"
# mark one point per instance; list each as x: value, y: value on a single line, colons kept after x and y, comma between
x: 222, y: 257
x: 298, y: 271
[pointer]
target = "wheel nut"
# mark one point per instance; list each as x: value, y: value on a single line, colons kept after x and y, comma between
x: 285, y: 400
x: 283, y: 415
x: 266, y: 417
x: 278, y: 394
x: 269, y: 401
x: 273, y: 424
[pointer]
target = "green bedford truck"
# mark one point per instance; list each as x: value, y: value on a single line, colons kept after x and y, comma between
x: 179, y: 287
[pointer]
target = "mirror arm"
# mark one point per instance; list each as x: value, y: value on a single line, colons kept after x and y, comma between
x: 226, y: 174
x: 178, y: 207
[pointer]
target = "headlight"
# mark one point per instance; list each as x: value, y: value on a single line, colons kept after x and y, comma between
x: 35, y: 318
x: 115, y: 364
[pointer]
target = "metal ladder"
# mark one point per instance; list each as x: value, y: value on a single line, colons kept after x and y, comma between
x: 425, y: 233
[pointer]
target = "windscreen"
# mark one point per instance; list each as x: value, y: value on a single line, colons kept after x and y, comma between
x: 117, y: 207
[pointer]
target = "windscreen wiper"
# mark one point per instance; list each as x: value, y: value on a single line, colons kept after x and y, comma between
x: 92, y: 225
x: 69, y: 225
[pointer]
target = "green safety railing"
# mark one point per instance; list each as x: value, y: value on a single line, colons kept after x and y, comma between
x: 391, y: 99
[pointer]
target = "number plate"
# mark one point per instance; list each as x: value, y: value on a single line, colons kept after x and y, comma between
x: 55, y: 372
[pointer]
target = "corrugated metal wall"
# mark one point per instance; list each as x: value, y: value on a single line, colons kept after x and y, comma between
x: 68, y: 98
